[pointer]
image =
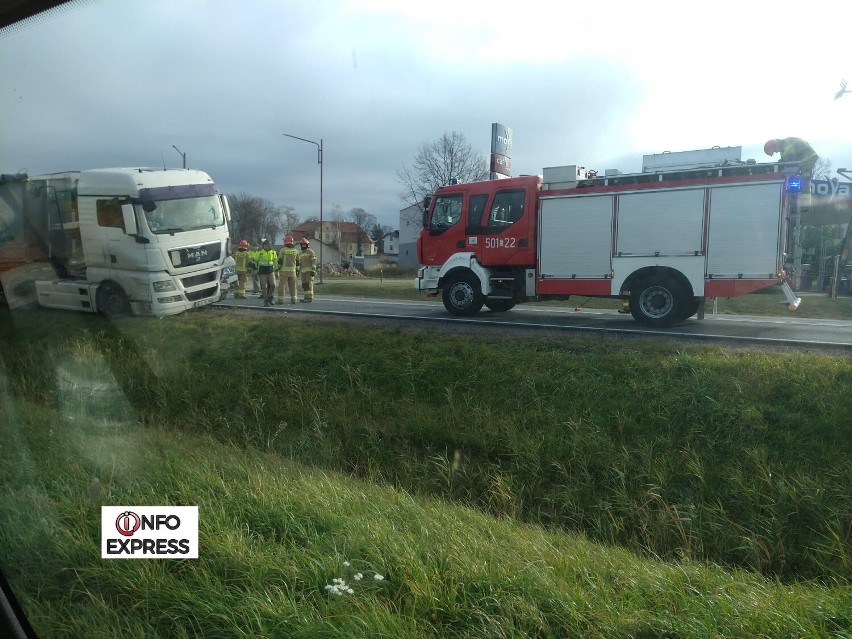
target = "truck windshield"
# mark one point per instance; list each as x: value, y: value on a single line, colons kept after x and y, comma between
x: 185, y: 214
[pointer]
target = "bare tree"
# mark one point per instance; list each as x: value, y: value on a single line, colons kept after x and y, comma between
x: 364, y: 221
x: 436, y: 163
x: 378, y: 232
x: 822, y: 169
x: 288, y: 217
x: 254, y: 218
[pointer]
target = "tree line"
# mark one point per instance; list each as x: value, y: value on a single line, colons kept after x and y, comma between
x: 255, y: 218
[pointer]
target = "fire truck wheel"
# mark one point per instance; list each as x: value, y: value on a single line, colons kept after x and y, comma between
x: 462, y: 295
x: 499, y: 306
x: 691, y: 307
x: 657, y: 302
x: 112, y: 300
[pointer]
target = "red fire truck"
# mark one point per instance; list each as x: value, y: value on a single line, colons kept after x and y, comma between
x: 662, y: 240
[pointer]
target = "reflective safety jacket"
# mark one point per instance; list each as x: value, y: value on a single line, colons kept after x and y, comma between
x: 307, y: 260
x: 797, y: 150
x: 242, y: 257
x: 254, y: 253
x: 267, y: 261
x: 287, y: 259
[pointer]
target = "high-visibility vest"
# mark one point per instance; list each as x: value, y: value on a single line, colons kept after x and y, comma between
x: 266, y: 260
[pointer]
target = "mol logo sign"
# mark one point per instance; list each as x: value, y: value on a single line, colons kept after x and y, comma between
x: 141, y: 532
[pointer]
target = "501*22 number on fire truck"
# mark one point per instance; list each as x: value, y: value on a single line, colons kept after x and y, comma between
x: 500, y: 242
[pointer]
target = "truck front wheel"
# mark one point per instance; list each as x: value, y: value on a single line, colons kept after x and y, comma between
x: 658, y: 302
x: 462, y: 295
x: 112, y: 300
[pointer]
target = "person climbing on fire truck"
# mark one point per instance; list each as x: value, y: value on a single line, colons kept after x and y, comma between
x: 242, y: 258
x: 793, y: 150
x: 307, y: 268
x: 288, y: 257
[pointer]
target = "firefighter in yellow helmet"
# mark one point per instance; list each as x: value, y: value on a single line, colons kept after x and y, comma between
x: 307, y: 269
x: 267, y: 262
x: 242, y: 257
x: 288, y: 257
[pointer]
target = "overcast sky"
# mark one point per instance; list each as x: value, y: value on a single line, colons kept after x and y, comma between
x: 600, y: 84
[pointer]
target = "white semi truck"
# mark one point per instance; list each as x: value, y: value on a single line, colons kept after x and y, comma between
x: 117, y: 241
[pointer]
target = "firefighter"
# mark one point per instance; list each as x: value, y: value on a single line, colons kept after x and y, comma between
x: 242, y: 257
x: 288, y: 257
x: 267, y: 262
x: 307, y: 268
x: 794, y: 150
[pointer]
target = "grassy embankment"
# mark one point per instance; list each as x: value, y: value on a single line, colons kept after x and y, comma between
x: 767, y: 303
x: 459, y: 468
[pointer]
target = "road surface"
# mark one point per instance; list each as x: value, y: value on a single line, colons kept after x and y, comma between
x: 738, y: 329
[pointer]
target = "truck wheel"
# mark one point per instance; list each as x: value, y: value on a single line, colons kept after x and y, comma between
x: 691, y: 307
x: 112, y: 300
x: 657, y: 302
x: 499, y: 306
x: 462, y: 295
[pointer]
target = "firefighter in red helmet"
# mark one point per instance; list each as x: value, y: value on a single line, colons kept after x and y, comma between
x: 242, y: 260
x: 308, y: 269
x: 288, y: 257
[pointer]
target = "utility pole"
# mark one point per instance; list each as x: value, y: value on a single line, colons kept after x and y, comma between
x: 319, y: 161
x: 183, y: 155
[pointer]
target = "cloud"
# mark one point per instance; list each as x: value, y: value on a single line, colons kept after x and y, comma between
x: 119, y: 82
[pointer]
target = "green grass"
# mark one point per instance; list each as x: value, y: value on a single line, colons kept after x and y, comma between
x: 571, y: 487
x: 767, y: 303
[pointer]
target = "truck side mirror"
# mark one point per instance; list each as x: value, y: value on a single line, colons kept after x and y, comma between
x: 426, y: 202
x: 225, y: 207
x: 129, y: 216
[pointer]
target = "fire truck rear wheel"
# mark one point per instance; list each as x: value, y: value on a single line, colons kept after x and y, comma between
x: 462, y: 295
x: 499, y: 306
x: 112, y: 300
x: 658, y: 302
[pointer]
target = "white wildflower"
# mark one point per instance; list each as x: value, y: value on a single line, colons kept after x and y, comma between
x: 358, y: 576
x: 346, y: 563
x: 378, y: 577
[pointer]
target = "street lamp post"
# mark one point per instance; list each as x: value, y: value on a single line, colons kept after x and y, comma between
x: 319, y: 161
x: 183, y: 155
